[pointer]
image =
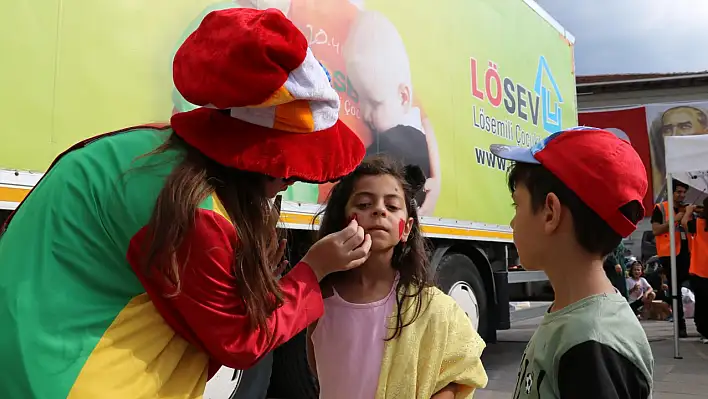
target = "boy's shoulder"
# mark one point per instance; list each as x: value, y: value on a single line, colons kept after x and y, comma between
x: 595, y: 333
x: 604, y: 318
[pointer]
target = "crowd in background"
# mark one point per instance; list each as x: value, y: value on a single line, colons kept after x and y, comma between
x: 648, y: 289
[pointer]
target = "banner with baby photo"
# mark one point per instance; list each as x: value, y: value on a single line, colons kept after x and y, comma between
x: 676, y: 119
x: 436, y: 85
x: 429, y: 83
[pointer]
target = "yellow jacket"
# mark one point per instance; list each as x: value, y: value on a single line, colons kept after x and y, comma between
x: 439, y: 348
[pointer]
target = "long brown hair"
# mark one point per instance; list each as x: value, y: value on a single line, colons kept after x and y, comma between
x: 242, y: 195
x: 410, y: 258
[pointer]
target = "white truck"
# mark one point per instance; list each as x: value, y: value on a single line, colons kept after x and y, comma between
x: 468, y: 74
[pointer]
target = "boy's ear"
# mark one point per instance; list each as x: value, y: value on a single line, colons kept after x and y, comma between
x: 552, y: 210
x: 407, y: 230
x: 405, y: 95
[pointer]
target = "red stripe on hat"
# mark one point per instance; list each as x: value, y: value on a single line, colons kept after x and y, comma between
x: 238, y: 57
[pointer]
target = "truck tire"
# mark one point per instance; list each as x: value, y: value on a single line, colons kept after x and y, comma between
x: 252, y: 383
x: 291, y: 377
x: 223, y: 384
x: 458, y: 277
x: 255, y: 380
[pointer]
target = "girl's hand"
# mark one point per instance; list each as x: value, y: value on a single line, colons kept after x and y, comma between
x: 446, y: 393
x: 343, y: 250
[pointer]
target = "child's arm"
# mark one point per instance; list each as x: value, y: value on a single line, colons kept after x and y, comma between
x: 311, y: 349
x: 595, y: 370
x: 209, y: 312
x: 446, y: 393
x: 688, y: 215
x: 648, y: 286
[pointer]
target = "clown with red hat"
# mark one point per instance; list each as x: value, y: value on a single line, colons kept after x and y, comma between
x: 144, y: 259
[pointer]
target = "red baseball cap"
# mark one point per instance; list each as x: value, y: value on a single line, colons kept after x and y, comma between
x: 603, y: 170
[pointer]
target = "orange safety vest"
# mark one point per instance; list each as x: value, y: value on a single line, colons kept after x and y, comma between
x: 663, y: 242
x: 699, y: 250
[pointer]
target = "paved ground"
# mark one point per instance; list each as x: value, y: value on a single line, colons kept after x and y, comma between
x: 685, y: 378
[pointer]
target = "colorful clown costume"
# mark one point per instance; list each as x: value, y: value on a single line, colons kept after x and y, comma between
x: 85, y: 310
x: 83, y: 313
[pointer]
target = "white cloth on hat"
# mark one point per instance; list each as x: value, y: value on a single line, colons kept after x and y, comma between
x: 307, y: 82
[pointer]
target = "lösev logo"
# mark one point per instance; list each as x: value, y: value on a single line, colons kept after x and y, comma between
x: 539, y: 106
x: 552, y: 112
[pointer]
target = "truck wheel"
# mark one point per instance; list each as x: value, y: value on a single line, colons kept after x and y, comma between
x: 291, y: 377
x: 223, y: 384
x: 458, y: 277
x: 252, y: 383
x: 255, y: 380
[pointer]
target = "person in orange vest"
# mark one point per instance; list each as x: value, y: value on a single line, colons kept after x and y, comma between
x: 660, y: 228
x: 698, y: 271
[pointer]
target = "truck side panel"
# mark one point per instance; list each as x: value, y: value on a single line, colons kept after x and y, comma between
x: 429, y: 84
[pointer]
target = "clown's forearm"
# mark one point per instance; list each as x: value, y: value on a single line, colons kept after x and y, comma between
x: 208, y: 310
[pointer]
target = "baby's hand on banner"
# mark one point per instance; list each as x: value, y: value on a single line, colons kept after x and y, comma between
x: 432, y: 192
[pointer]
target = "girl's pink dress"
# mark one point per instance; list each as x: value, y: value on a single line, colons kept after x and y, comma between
x: 349, y: 344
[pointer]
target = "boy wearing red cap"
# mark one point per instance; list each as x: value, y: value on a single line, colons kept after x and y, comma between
x: 576, y: 194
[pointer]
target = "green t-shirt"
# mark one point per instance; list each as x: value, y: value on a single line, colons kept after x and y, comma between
x: 594, y: 348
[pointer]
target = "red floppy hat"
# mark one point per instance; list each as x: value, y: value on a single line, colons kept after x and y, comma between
x: 265, y: 103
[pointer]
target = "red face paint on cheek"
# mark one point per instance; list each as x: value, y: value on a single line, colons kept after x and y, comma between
x: 349, y: 220
x: 401, y: 227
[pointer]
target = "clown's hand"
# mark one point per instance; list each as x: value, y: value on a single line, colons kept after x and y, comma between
x: 343, y: 250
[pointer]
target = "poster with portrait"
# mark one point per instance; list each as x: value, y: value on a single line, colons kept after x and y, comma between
x: 629, y: 124
x: 677, y: 119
